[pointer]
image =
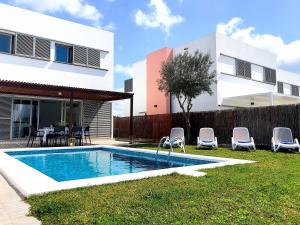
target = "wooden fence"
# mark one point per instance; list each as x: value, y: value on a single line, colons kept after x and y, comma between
x: 259, y: 120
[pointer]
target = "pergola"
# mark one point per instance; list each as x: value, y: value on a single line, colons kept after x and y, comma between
x: 64, y: 92
x: 260, y: 99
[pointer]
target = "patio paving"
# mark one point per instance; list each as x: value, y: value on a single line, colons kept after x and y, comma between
x: 23, y: 143
x: 13, y: 209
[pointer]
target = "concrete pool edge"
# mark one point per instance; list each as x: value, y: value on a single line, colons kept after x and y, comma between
x: 28, y: 181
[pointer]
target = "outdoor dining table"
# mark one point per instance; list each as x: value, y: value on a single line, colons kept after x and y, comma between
x: 49, y: 130
x: 46, y: 131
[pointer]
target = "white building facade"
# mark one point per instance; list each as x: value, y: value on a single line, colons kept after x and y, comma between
x: 246, y: 77
x: 40, y: 49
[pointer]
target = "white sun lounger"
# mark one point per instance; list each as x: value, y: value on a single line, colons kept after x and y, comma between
x: 283, y: 138
x: 176, y: 138
x: 207, y: 138
x: 241, y: 138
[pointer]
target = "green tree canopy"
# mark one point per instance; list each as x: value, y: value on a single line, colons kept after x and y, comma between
x: 186, y: 77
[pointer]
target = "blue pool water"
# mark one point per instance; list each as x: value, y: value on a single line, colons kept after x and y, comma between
x: 74, y: 164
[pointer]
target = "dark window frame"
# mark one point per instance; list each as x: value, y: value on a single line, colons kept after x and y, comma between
x: 11, y: 42
x: 69, y: 52
x: 295, y: 90
x: 268, y: 75
x: 280, y: 87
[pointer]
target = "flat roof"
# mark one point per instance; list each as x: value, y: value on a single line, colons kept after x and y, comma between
x: 56, y: 91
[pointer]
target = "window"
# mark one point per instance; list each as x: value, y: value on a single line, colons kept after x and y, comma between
x: 280, y: 87
x: 257, y: 72
x: 295, y: 90
x: 243, y: 68
x: 269, y: 75
x: 63, y: 53
x: 287, y: 89
x: 227, y: 65
x: 6, y: 41
x: 128, y: 85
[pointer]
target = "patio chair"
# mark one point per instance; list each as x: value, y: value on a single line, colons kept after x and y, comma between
x: 58, y: 133
x: 87, y: 134
x: 176, y: 138
x: 283, y: 138
x: 241, y: 138
x: 207, y: 138
x: 33, y: 135
x: 77, y: 134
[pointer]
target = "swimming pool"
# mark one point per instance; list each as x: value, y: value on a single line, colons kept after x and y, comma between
x: 75, y: 164
x: 43, y: 170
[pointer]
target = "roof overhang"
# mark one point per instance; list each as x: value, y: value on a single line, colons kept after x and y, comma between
x: 260, y: 99
x: 46, y: 90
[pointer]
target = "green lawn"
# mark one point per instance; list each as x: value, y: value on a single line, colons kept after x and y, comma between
x: 266, y: 192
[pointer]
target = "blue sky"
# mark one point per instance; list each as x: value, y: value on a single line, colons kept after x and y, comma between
x: 141, y: 26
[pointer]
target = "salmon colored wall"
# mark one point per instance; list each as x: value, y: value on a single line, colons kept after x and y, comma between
x: 154, y: 96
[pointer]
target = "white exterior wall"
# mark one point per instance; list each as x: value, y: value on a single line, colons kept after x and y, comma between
x: 19, y: 68
x: 204, y: 102
x: 139, y: 75
x: 230, y: 86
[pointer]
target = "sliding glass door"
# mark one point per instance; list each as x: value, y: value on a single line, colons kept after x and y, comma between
x: 41, y: 113
x: 76, y: 116
x: 50, y: 113
x: 25, y: 114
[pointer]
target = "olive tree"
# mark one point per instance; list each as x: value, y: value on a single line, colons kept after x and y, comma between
x: 186, y: 77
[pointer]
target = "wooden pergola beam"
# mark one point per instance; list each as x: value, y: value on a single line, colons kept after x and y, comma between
x: 71, y: 93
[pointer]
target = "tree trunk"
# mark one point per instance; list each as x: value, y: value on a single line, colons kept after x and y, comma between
x: 188, y: 129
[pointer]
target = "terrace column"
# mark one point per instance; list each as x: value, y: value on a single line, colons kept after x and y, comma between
x: 71, y: 113
x: 131, y: 121
x: 271, y: 100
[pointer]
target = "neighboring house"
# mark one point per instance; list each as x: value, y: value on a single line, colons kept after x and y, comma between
x: 47, y: 64
x: 246, y: 77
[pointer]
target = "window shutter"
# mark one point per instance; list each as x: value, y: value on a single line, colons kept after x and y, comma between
x: 24, y: 45
x: 270, y: 75
x: 42, y: 48
x: 295, y: 90
x: 239, y: 67
x: 247, y: 69
x: 280, y: 87
x: 80, y: 55
x: 243, y: 68
x: 93, y: 57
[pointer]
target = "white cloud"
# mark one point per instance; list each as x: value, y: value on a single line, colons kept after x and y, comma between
x: 127, y: 70
x: 288, y: 54
x: 118, y: 106
x: 160, y: 16
x: 76, y: 8
x: 111, y: 27
x: 230, y: 27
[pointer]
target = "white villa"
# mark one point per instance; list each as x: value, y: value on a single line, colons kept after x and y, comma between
x: 48, y: 66
x: 246, y: 77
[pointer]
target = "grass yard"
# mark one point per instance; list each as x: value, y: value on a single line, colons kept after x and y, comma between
x: 266, y: 192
